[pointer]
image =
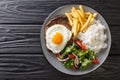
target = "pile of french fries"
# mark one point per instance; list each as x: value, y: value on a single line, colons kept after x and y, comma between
x: 80, y: 20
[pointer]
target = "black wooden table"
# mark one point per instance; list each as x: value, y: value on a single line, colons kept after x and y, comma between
x: 21, y: 57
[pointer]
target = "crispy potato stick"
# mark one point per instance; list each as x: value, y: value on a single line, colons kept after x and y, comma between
x: 80, y: 20
x: 74, y: 28
x: 77, y: 15
x: 94, y: 15
x: 73, y: 9
x: 78, y: 27
x: 80, y: 13
x: 81, y: 8
x: 74, y: 14
x: 69, y: 18
x: 92, y: 19
x: 85, y: 26
x: 87, y: 13
x: 77, y: 12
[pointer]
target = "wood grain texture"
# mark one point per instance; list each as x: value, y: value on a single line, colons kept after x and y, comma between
x: 20, y: 39
x: 35, y: 66
x: 26, y: 39
x: 21, y: 57
x: 35, y: 11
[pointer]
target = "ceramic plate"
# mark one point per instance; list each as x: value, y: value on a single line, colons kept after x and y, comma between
x: 52, y: 58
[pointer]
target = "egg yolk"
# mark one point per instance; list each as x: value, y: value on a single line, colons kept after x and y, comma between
x: 57, y: 38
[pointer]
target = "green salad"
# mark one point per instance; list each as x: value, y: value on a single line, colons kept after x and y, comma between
x: 76, y: 56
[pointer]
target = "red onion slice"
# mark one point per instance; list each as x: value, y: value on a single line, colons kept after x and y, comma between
x: 76, y: 61
x: 62, y: 60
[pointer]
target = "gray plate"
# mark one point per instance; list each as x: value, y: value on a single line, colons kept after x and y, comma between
x: 52, y: 58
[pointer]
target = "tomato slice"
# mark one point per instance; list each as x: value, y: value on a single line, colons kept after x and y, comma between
x: 83, y: 47
x: 58, y: 55
x: 95, y: 61
x: 78, y: 42
x: 71, y: 56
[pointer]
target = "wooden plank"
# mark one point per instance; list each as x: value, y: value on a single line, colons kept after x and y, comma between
x: 36, y: 66
x: 29, y: 11
x: 21, y: 56
x: 20, y: 39
x: 26, y: 39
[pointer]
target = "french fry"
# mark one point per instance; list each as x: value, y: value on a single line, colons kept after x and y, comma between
x: 85, y: 26
x: 80, y: 20
x: 76, y: 11
x: 92, y: 19
x: 74, y: 14
x: 73, y: 9
x: 81, y: 17
x: 78, y: 27
x: 87, y: 13
x: 75, y: 27
x: 94, y: 15
x: 81, y: 8
x: 80, y: 13
x: 69, y: 18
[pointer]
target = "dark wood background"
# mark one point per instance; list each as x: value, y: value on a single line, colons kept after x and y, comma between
x: 21, y: 57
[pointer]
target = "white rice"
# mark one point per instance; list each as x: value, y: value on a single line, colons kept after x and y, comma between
x: 94, y: 38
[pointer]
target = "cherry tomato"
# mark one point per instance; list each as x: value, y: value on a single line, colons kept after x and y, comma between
x: 58, y: 55
x: 71, y: 56
x: 95, y: 61
x: 83, y: 47
x: 80, y: 44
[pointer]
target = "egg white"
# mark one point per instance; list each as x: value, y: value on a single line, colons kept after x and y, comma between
x: 66, y: 34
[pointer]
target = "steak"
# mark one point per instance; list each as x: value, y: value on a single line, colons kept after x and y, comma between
x: 58, y: 20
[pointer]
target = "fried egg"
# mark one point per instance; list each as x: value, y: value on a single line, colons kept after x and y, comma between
x: 57, y: 37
